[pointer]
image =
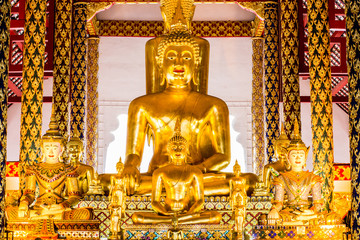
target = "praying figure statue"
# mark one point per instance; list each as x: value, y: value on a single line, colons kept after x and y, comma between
x: 238, y: 200
x: 52, y: 176
x: 75, y: 148
x: 184, y: 191
x: 297, y: 184
x: 117, y: 201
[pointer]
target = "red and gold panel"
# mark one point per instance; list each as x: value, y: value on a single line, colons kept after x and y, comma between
x: 12, y: 169
x: 342, y: 172
x: 156, y: 28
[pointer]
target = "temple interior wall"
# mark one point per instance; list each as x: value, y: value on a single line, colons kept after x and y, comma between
x: 122, y: 78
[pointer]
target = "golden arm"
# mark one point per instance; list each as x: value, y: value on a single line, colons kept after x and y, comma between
x: 219, y: 121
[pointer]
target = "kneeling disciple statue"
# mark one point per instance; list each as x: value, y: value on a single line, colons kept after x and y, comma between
x: 52, y: 176
x: 184, y: 191
x: 297, y: 184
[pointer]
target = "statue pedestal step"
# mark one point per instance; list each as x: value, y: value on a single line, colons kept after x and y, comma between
x: 319, y: 232
x: 53, y: 229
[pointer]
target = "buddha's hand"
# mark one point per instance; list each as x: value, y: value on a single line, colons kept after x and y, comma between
x: 131, y: 177
x: 273, y: 216
x: 23, y: 209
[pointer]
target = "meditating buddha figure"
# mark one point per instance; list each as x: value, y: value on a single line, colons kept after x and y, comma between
x: 75, y: 148
x: 52, y: 176
x: 203, y: 120
x: 298, y: 184
x: 281, y: 164
x: 184, y: 191
x: 177, y: 16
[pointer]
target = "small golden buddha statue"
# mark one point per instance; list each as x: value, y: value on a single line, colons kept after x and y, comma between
x: 177, y: 16
x: 75, y: 150
x: 274, y: 168
x: 117, y: 201
x: 238, y: 200
x: 297, y: 185
x: 184, y: 192
x: 52, y: 176
x: 203, y: 120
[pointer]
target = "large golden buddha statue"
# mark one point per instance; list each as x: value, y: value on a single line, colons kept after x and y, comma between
x: 184, y: 191
x: 203, y: 120
x: 177, y: 16
x: 52, y: 176
x: 75, y: 148
x: 297, y: 184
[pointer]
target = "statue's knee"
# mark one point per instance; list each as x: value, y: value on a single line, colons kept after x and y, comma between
x: 79, y: 214
x: 137, y: 218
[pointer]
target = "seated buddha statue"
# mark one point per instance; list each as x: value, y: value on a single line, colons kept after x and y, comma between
x: 75, y: 148
x: 177, y: 15
x: 278, y: 166
x: 203, y: 120
x: 183, y: 189
x: 297, y: 184
x: 52, y: 176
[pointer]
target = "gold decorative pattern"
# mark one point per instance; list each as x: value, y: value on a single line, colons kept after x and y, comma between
x: 271, y: 66
x: 320, y: 95
x: 353, y: 61
x: 92, y: 101
x: 4, y: 76
x: 92, y: 22
x: 258, y: 105
x: 62, y: 51
x: 32, y: 88
x: 78, y: 70
x: 290, y: 63
x: 156, y: 28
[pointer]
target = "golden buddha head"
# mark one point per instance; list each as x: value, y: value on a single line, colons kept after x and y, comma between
x: 296, y: 150
x: 177, y: 148
x: 52, y: 142
x: 280, y: 143
x: 177, y: 14
x: 75, y: 148
x: 178, y: 56
x: 237, y: 169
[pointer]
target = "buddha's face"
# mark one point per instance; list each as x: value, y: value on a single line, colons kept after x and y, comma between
x: 177, y: 152
x: 297, y: 159
x: 237, y: 171
x: 74, y: 151
x: 52, y: 151
x: 178, y: 65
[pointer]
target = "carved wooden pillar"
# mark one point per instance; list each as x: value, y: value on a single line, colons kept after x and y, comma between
x: 258, y: 141
x: 78, y: 70
x: 62, y: 61
x: 320, y: 94
x: 5, y: 8
x: 92, y: 101
x: 271, y: 66
x: 290, y: 63
x: 32, y: 88
x: 353, y: 60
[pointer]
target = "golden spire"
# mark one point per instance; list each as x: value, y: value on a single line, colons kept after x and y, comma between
x: 296, y: 142
x: 177, y: 14
x: 53, y: 132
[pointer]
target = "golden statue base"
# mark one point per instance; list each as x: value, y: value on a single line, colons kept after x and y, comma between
x: 54, y: 229
x: 303, y: 232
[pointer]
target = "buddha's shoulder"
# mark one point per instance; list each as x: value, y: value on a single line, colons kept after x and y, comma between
x: 145, y: 99
x: 209, y: 99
